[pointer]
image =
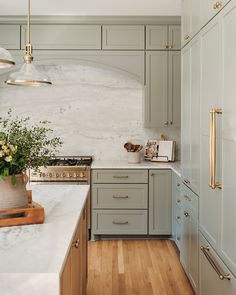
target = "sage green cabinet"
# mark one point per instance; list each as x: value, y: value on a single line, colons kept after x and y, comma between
x: 123, y: 37
x: 162, y: 37
x: 160, y: 202
x: 189, y: 236
x: 162, y: 90
x: 10, y: 36
x: 176, y: 209
x: 63, y: 36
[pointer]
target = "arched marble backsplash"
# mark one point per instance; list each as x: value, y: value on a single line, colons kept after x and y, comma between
x: 94, y: 110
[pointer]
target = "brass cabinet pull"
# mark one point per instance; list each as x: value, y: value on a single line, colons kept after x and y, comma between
x: 213, y: 183
x: 120, y: 176
x: 186, y: 181
x: 76, y: 244
x: 120, y: 222
x: 167, y: 46
x: 166, y: 123
x: 186, y: 37
x: 186, y: 214
x: 120, y: 197
x: 214, y: 264
x: 217, y: 5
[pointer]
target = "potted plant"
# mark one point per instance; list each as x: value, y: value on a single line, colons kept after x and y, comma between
x: 22, y: 146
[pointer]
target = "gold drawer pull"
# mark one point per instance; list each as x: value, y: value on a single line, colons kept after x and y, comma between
x: 120, y: 176
x: 186, y: 214
x: 214, y: 264
x: 186, y: 37
x: 213, y: 183
x: 186, y: 181
x: 217, y: 5
x: 120, y: 197
x: 76, y: 244
x: 120, y: 222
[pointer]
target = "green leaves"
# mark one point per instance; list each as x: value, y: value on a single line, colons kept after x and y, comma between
x: 14, y: 180
x: 35, y: 144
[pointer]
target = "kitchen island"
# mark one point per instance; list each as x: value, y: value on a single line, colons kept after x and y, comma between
x: 33, y: 258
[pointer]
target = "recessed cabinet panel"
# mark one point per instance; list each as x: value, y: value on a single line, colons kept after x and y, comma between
x: 63, y: 36
x: 174, y: 36
x: 123, y: 37
x: 157, y: 37
x: 10, y: 36
x: 156, y: 90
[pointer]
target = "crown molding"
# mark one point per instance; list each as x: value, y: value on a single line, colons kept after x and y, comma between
x: 67, y: 19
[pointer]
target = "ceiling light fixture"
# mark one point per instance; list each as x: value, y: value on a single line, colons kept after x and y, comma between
x: 28, y: 75
x: 6, y: 60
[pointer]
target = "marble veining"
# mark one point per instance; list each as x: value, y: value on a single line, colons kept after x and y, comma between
x: 94, y: 110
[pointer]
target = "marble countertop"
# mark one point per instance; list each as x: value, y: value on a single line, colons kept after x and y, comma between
x: 32, y: 256
x: 174, y: 166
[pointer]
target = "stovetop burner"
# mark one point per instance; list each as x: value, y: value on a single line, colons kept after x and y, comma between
x: 70, y: 161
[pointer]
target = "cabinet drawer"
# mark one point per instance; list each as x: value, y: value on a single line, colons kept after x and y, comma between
x: 120, y: 176
x: 123, y: 37
x: 156, y: 37
x: 210, y: 282
x: 120, y: 196
x: 64, y: 36
x: 119, y: 222
x: 10, y: 36
x: 191, y: 200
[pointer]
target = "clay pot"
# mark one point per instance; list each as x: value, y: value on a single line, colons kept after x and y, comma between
x: 134, y: 157
x: 13, y: 196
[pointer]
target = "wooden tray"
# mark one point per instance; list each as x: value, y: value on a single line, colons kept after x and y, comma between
x: 33, y: 214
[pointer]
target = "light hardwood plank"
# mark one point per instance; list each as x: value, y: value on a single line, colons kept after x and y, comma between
x: 136, y: 267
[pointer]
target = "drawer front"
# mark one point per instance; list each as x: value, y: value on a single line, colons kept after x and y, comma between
x: 156, y: 37
x: 210, y: 283
x: 120, y: 176
x: 191, y: 199
x: 124, y: 222
x: 123, y: 37
x: 120, y: 196
x: 10, y: 36
x: 64, y: 36
x: 178, y: 214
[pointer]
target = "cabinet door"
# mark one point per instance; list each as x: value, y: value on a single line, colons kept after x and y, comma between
x: 66, y: 277
x: 210, y: 98
x: 160, y: 202
x: 156, y: 89
x: 174, y: 37
x: 157, y: 37
x: 227, y: 244
x: 185, y: 111
x: 174, y: 107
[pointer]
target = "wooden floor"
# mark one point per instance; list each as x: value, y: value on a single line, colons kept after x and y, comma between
x: 142, y: 267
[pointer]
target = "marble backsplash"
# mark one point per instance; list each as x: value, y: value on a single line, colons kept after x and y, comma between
x: 94, y: 111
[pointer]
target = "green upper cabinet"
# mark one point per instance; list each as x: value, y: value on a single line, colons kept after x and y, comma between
x: 162, y: 91
x: 123, y: 37
x: 10, y: 36
x: 63, y: 36
x: 160, y: 200
x: 162, y: 37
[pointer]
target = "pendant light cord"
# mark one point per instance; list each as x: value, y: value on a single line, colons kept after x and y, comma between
x: 28, y: 22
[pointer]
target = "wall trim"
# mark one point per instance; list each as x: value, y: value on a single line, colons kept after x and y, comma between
x: 103, y: 20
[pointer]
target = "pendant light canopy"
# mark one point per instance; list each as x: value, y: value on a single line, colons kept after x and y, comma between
x: 6, y: 60
x: 28, y: 75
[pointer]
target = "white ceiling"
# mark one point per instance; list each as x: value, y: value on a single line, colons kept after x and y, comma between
x: 92, y: 7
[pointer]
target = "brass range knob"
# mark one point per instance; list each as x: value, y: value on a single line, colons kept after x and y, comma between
x: 81, y: 175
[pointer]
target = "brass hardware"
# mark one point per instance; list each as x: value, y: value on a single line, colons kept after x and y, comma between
x: 186, y: 37
x: 178, y: 217
x: 120, y: 176
x: 167, y: 46
x: 152, y: 174
x: 166, y: 123
x: 7, y: 62
x: 76, y: 244
x: 171, y: 123
x: 186, y: 214
x: 120, y: 197
x: 186, y: 181
x: 120, y: 222
x: 217, y: 5
x: 214, y: 264
x: 213, y: 183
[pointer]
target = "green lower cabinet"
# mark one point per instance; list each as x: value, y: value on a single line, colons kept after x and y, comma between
x: 160, y: 202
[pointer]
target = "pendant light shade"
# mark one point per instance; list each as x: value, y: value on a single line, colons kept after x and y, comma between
x: 28, y: 75
x: 6, y: 60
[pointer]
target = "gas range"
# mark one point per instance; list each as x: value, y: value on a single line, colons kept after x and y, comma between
x: 70, y: 170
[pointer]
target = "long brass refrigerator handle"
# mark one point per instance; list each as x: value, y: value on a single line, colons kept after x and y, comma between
x: 214, y: 264
x: 213, y: 183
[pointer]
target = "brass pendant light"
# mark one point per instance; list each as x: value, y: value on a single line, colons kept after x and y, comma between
x: 6, y: 60
x: 28, y: 75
